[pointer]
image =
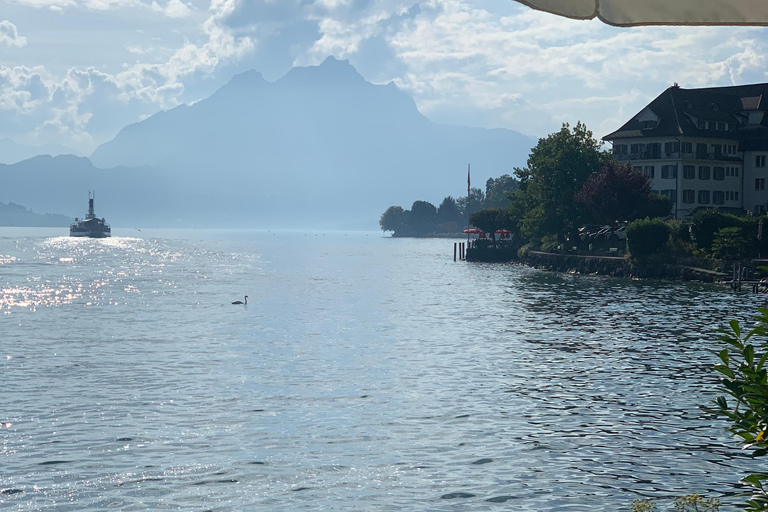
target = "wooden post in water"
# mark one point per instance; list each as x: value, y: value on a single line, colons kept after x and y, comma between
x: 454, y: 251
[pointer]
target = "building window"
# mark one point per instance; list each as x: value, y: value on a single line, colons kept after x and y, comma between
x: 689, y: 172
x: 620, y: 149
x: 703, y: 196
x: 731, y: 171
x: 759, y: 209
x: 688, y: 196
x: 718, y: 197
x: 649, y: 124
x: 717, y: 149
x: 732, y: 195
x: 718, y: 173
x: 653, y: 150
x: 703, y: 172
x: 636, y: 150
x: 650, y: 171
x: 760, y: 161
x: 671, y: 194
x: 687, y: 147
x: 701, y: 150
x: 671, y: 147
x: 759, y: 183
x: 669, y: 171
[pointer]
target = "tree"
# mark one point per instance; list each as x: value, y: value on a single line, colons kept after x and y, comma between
x: 448, y: 212
x: 706, y: 223
x: 394, y: 219
x: 421, y: 220
x: 616, y: 192
x: 489, y: 220
x: 557, y: 168
x: 497, y: 191
x: 476, y: 200
x: 729, y: 243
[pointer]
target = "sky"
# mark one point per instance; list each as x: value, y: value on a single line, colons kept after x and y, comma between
x: 75, y: 72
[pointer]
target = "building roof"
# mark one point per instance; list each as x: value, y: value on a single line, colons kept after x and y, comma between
x: 684, y: 111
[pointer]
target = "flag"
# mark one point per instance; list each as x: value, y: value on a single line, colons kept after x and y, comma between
x: 468, y: 180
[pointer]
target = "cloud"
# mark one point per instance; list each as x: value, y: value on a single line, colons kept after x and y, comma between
x: 173, y: 9
x: 83, y: 107
x: 9, y: 35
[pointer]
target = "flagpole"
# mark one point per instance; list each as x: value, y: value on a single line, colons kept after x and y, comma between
x: 468, y: 205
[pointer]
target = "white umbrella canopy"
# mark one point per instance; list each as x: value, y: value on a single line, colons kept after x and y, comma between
x: 626, y: 13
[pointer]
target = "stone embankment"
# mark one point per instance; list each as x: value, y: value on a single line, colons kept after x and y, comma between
x: 617, y: 266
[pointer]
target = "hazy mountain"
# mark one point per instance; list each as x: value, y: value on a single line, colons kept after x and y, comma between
x: 318, y: 147
x: 125, y: 196
x: 12, y: 214
x: 12, y: 152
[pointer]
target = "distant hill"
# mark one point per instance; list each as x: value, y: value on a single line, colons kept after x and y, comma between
x: 12, y: 214
x: 12, y: 152
x: 124, y: 196
x: 320, y: 147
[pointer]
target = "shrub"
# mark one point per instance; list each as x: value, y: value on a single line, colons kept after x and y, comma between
x: 729, y: 243
x: 646, y: 237
x: 744, y: 381
x: 706, y: 223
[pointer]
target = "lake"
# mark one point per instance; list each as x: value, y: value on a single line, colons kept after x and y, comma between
x: 365, y: 373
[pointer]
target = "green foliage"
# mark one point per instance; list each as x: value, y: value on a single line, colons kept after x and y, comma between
x: 744, y: 380
x: 394, y: 219
x: 549, y: 243
x: 729, y: 243
x: 643, y: 506
x: 706, y: 223
x: 448, y: 212
x: 422, y: 218
x: 556, y: 169
x: 489, y: 220
x: 497, y: 191
x: 476, y: 201
x: 695, y: 503
x: 646, y: 237
x: 688, y: 503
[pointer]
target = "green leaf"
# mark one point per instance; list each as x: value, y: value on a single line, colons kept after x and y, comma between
x: 725, y: 371
x: 749, y: 354
x: 735, y: 327
x: 723, y: 355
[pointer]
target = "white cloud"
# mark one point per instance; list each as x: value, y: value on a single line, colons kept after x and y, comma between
x: 173, y: 9
x: 9, y: 35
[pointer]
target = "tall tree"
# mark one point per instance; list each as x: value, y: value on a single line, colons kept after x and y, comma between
x: 448, y: 211
x: 421, y: 220
x: 395, y: 220
x: 489, y: 220
x: 497, y: 191
x: 616, y: 192
x: 476, y: 200
x: 556, y: 169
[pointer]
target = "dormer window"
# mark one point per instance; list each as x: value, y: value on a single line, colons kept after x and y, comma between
x: 713, y: 106
x: 647, y: 125
x: 688, y: 104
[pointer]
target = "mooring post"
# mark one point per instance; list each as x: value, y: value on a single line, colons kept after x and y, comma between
x: 454, y: 251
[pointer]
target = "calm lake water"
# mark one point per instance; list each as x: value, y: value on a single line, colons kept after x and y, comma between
x: 365, y: 373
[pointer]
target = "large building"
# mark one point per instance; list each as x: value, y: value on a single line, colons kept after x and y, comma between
x: 702, y: 148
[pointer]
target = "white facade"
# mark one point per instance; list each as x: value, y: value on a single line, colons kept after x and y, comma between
x: 695, y: 172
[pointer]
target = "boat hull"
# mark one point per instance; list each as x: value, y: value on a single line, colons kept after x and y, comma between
x: 90, y: 234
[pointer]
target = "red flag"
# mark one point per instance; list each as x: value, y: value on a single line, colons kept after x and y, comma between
x: 468, y: 180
